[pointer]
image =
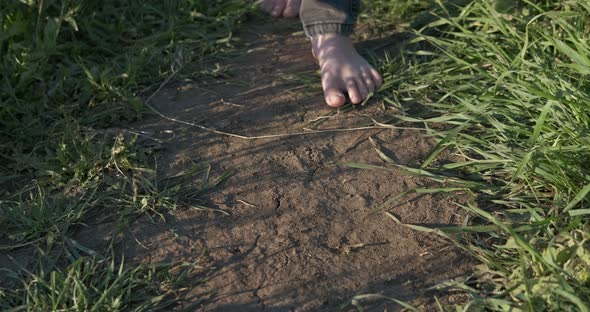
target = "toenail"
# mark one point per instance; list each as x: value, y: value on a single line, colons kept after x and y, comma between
x: 334, y: 98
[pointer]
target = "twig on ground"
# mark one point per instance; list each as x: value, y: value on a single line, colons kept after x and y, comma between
x: 269, y: 136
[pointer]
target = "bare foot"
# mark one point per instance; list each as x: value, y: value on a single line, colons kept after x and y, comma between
x: 343, y: 70
x: 281, y: 8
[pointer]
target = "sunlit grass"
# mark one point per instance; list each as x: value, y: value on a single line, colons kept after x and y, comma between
x: 505, y: 87
x: 502, y: 84
x: 93, y: 284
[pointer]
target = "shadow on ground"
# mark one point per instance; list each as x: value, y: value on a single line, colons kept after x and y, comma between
x: 301, y: 234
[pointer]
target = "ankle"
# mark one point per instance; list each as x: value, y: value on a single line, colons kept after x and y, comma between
x: 329, y: 43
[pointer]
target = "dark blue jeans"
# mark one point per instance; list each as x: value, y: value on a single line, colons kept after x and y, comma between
x: 329, y: 16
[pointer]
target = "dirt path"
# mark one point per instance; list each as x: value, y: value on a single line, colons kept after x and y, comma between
x: 300, y: 235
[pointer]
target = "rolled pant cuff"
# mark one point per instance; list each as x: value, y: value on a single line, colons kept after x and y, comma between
x: 328, y: 28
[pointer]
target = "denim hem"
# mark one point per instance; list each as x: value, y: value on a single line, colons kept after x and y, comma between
x: 328, y: 28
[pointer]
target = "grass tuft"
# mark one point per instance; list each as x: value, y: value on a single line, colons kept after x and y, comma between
x: 91, y: 284
x: 73, y: 75
x: 504, y: 85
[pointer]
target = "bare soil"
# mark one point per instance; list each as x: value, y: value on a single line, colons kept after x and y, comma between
x: 301, y: 234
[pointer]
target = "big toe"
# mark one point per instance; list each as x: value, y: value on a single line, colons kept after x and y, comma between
x: 334, y: 98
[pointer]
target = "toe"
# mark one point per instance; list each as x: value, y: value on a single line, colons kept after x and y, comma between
x: 353, y: 92
x: 278, y: 8
x: 368, y: 81
x: 334, y: 97
x: 332, y: 90
x: 363, y: 91
x: 292, y: 8
x: 376, y: 78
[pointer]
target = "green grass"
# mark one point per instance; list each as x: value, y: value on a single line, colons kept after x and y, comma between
x: 74, y: 65
x: 92, y: 284
x: 504, y: 85
x: 74, y: 74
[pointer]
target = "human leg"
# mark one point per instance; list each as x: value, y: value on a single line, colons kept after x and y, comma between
x: 328, y: 24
